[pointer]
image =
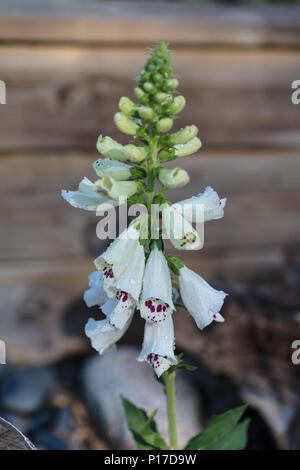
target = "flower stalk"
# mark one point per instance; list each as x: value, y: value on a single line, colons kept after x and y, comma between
x: 170, y: 392
x: 134, y: 272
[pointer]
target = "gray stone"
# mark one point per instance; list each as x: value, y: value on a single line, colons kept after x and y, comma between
x: 105, y: 378
x: 26, y: 390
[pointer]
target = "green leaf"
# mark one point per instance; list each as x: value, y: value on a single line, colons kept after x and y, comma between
x: 143, y: 428
x: 223, y: 432
x: 175, y: 264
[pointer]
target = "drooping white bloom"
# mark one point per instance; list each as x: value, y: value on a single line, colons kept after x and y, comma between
x: 156, y: 301
x: 158, y: 346
x: 180, y: 232
x: 119, y: 309
x: 202, y: 301
x: 103, y: 334
x: 122, y: 264
x: 120, y: 171
x: 88, y: 197
x: 212, y: 205
x: 96, y: 294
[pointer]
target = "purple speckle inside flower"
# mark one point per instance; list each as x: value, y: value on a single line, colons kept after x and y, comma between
x: 154, y: 310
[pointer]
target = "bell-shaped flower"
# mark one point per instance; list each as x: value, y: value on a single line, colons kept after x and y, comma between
x: 96, y: 294
x: 119, y: 309
x: 122, y: 264
x: 116, y: 189
x: 178, y: 104
x: 156, y: 301
x: 110, y: 148
x: 202, y: 301
x: 182, y: 150
x: 158, y: 346
x: 205, y: 205
x: 117, y: 170
x: 88, y: 197
x: 126, y: 105
x: 103, y: 334
x: 180, y: 232
x: 135, y: 154
x: 173, y: 177
x: 125, y: 124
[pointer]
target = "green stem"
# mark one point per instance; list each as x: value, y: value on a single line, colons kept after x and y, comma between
x: 170, y: 390
x: 152, y: 163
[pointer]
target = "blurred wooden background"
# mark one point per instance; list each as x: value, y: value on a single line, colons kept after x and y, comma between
x: 67, y: 62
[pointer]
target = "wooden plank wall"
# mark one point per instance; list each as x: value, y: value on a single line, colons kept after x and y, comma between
x: 67, y: 63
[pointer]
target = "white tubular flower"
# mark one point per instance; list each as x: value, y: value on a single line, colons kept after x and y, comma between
x: 132, y: 279
x: 213, y: 206
x: 135, y: 154
x: 201, y: 300
x: 156, y: 302
x: 182, y: 150
x: 87, y: 197
x: 118, y: 170
x: 180, y: 232
x: 96, y: 295
x: 173, y: 177
x: 158, y: 346
x: 125, y: 124
x: 119, y: 309
x: 103, y: 334
x: 110, y: 148
x: 116, y: 189
x: 122, y: 264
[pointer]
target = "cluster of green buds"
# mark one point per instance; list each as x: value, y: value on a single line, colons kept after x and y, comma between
x: 148, y: 120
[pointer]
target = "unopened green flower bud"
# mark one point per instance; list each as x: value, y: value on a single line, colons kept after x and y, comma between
x: 139, y: 93
x: 125, y: 124
x: 172, y: 83
x: 137, y: 172
x: 164, y: 125
x: 158, y: 77
x: 148, y: 87
x: 110, y: 148
x: 173, y: 178
x: 181, y: 137
x: 126, y: 105
x: 116, y: 189
x: 118, y: 170
x: 181, y: 150
x: 134, y: 154
x: 150, y: 67
x: 160, y: 97
x: 178, y: 104
x: 145, y: 112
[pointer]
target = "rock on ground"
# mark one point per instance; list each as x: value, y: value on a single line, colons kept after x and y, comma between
x: 25, y: 391
x: 105, y: 378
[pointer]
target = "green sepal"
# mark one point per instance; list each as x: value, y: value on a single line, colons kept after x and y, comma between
x: 160, y: 199
x: 175, y: 264
x: 137, y: 172
x: 223, y: 432
x: 135, y: 199
x: 167, y: 155
x: 143, y: 427
x: 159, y: 243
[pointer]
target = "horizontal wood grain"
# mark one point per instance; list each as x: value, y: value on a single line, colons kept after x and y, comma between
x: 36, y: 223
x: 141, y: 23
x: 64, y: 97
